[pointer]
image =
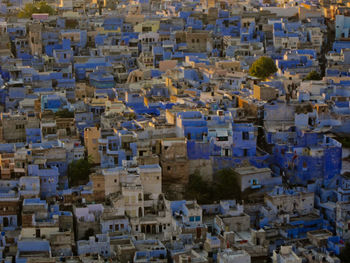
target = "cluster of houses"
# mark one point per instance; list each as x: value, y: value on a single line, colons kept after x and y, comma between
x: 151, y: 92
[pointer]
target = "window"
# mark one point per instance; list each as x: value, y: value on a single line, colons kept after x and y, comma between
x: 37, y: 232
x: 6, y: 222
x: 226, y: 152
x: 245, y: 135
x: 168, y: 168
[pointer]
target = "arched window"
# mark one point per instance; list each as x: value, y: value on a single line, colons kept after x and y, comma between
x: 140, y: 212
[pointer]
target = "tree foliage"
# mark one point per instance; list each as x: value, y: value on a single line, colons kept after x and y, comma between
x: 198, y: 189
x: 313, y: 75
x: 226, y: 183
x: 79, y: 171
x: 345, y: 254
x: 263, y: 68
x: 224, y: 186
x: 65, y: 113
x: 40, y: 7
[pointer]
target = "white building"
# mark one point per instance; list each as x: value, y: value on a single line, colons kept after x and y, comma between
x: 230, y: 256
x: 285, y: 255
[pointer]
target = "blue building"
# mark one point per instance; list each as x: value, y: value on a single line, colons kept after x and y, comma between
x: 33, y: 135
x: 48, y: 179
x: 52, y: 102
x: 101, y: 80
x: 183, y: 211
x: 28, y: 247
x: 299, y: 226
x: 307, y: 156
x: 149, y: 250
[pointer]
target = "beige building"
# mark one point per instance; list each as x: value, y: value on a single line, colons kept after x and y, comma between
x: 147, y: 26
x: 151, y: 178
x: 234, y: 219
x: 91, y: 136
x: 98, y: 186
x: 253, y: 177
x: 196, y: 40
x: 7, y: 165
x: 264, y: 92
x: 35, y: 39
x: 281, y: 200
x: 285, y: 255
x: 174, y: 162
x: 13, y: 126
x: 132, y: 194
x: 40, y: 231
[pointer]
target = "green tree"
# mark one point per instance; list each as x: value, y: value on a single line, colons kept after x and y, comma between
x: 65, y: 113
x: 263, y: 68
x: 40, y: 7
x: 43, y: 7
x: 198, y: 189
x: 313, y: 75
x: 27, y: 11
x: 226, y: 185
x: 79, y: 171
